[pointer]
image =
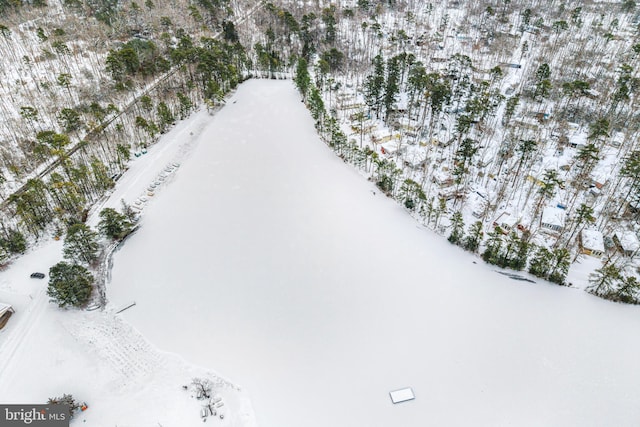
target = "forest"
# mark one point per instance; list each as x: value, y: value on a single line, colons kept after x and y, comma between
x: 508, y: 127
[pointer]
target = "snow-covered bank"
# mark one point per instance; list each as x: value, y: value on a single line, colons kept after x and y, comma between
x: 96, y: 356
x: 273, y: 262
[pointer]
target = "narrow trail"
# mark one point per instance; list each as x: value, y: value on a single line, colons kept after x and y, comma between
x: 25, y: 323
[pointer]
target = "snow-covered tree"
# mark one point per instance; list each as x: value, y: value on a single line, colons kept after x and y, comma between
x: 374, y: 85
x: 69, y: 284
x: 540, y: 264
x: 302, y: 79
x: 602, y: 281
x: 474, y: 236
x: 457, y: 228
x: 493, y: 248
x: 113, y: 224
x: 81, y: 244
x: 560, y: 262
x: 542, y: 82
x: 628, y: 289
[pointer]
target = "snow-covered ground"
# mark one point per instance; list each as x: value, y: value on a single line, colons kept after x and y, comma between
x: 273, y: 262
x: 95, y: 355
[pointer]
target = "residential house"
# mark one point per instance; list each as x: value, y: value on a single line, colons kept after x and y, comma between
x: 5, y: 313
x: 591, y: 243
x: 553, y: 218
x: 627, y: 242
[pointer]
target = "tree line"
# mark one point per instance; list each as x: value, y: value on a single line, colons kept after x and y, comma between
x: 90, y: 144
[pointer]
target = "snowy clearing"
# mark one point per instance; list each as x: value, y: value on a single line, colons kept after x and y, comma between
x: 95, y: 355
x: 271, y: 261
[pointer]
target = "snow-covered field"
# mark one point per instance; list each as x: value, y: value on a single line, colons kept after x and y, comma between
x: 96, y: 356
x: 274, y: 263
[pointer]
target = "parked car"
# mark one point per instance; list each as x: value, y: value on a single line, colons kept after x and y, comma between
x: 37, y: 275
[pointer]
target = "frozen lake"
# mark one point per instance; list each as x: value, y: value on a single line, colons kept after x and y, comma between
x: 270, y: 261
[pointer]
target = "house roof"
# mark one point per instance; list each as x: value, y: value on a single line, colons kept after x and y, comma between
x: 415, y: 155
x: 403, y: 121
x: 593, y: 240
x: 507, y: 219
x: 4, y: 308
x: 628, y: 240
x: 553, y: 216
x: 440, y: 176
x: 392, y: 147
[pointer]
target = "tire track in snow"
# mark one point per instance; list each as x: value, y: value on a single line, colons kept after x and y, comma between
x: 15, y: 338
x: 124, y: 349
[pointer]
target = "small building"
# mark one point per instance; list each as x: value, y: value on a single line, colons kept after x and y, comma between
x: 391, y: 148
x: 442, y: 179
x: 402, y: 395
x: 5, y: 313
x: 415, y: 162
x: 382, y: 137
x: 407, y: 125
x: 351, y: 106
x: 506, y: 222
x: 450, y: 194
x: 595, y: 188
x: 591, y: 243
x: 626, y: 242
x: 553, y: 218
x: 577, y: 143
x: 535, y: 180
x: 592, y: 93
x: 478, y: 211
x: 617, y: 139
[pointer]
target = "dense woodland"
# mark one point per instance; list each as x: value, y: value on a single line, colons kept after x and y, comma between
x: 509, y: 127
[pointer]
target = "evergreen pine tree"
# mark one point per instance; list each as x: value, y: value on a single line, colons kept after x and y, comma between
x: 542, y: 84
x: 392, y: 87
x: 603, y: 279
x: 69, y: 284
x: 474, y: 237
x: 631, y: 171
x: 113, y: 224
x: 519, y: 261
x: 14, y: 242
x: 628, y: 289
x: 302, y: 79
x: 412, y: 194
x: 560, y: 262
x: 494, y: 246
x: 165, y: 116
x: 457, y: 228
x: 81, y: 244
x: 316, y: 106
x: 540, y: 263
x: 509, y: 253
x: 374, y: 85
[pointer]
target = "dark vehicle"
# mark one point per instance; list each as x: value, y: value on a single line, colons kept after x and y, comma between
x: 37, y: 275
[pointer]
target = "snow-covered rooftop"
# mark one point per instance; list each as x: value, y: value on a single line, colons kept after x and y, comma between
x: 391, y: 147
x: 593, y: 240
x: 604, y: 170
x: 3, y: 308
x: 506, y: 219
x: 403, y: 395
x: 415, y: 155
x: 554, y: 216
x: 628, y: 240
